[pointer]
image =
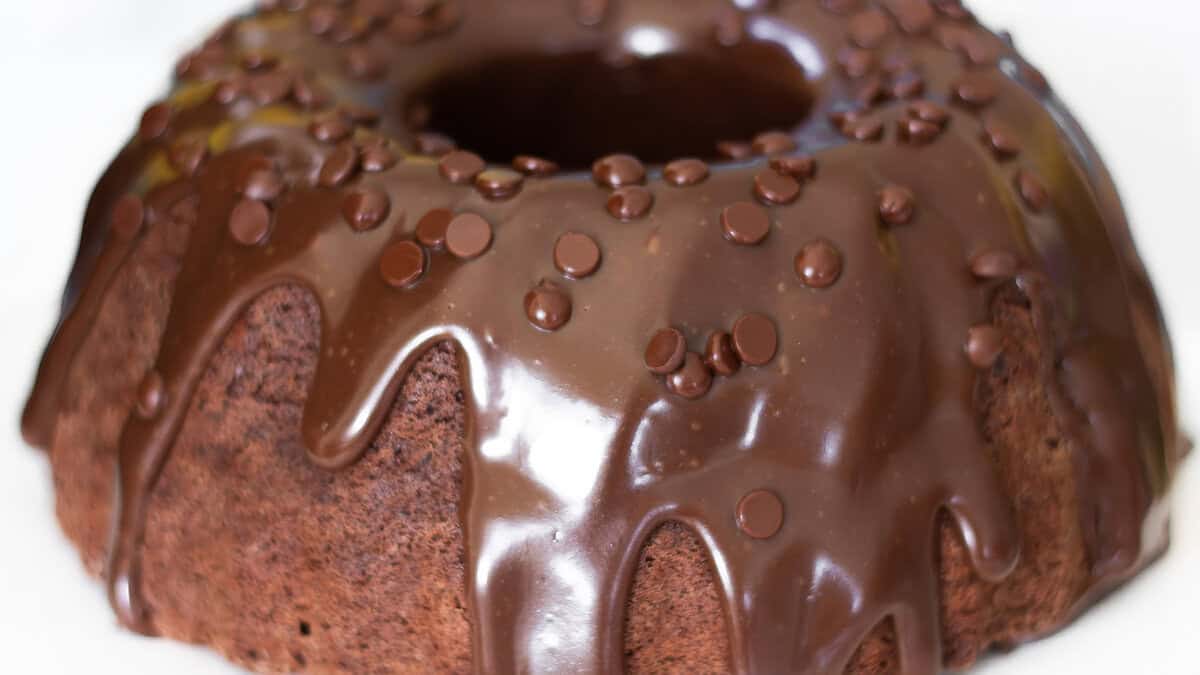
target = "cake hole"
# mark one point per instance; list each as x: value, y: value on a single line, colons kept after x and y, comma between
x: 575, y: 108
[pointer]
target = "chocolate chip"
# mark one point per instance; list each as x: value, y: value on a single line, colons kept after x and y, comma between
x: 339, y: 166
x: 685, y: 172
x: 363, y: 63
x: 365, y: 208
x: 548, y: 306
x: 745, y: 223
x: 468, y: 235
x: 590, y: 12
x: 151, y: 396
x: 406, y: 29
x: 330, y: 128
x: 229, y: 90
x: 154, y: 122
x: 321, y: 18
x: 759, y: 514
x: 261, y: 182
x: 1032, y: 191
x: 952, y: 9
x: 869, y: 28
x: 250, y: 222
x: 377, y: 158
x: 735, y: 150
x: 402, y: 264
x: 499, y: 184
x: 128, y: 215
x: 576, y: 255
x: 618, y: 171
x: 187, y: 154
x: 755, y: 339
x: 630, y: 202
x: 461, y: 167
x: 271, y: 87
x: 872, y: 92
x: 729, y: 27
x: 975, y: 89
x: 433, y: 144
x: 896, y: 205
x: 1001, y: 139
x: 773, y: 187
x: 309, y: 94
x: 359, y: 114
x: 908, y: 84
x: 928, y: 111
x: 691, y: 381
x: 257, y: 59
x: 534, y: 166
x: 773, y: 143
x: 719, y: 354
x: 819, y: 264
x: 914, y: 16
x: 917, y: 132
x: 856, y: 62
x: 431, y: 229
x: 984, y: 346
x: 665, y: 351
x: 803, y: 167
x: 994, y: 265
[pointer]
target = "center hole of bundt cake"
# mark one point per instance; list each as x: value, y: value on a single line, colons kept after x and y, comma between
x: 574, y: 108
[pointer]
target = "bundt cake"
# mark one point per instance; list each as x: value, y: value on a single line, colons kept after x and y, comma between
x: 581, y: 336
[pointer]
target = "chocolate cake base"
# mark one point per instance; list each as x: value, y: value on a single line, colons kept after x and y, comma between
x: 283, y: 566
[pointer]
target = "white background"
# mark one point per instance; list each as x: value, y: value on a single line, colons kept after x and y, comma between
x: 77, y: 73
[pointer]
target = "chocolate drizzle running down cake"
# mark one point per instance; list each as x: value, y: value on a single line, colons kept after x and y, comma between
x: 801, y: 336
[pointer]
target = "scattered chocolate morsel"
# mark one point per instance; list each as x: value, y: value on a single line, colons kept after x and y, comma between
x: 228, y: 90
x: 257, y: 59
x: 499, y: 184
x: 576, y: 255
x: 898, y: 62
x: 128, y: 215
x: 859, y: 127
x: 692, y: 380
x: 431, y: 229
x: 1032, y: 191
x: 856, y: 62
x: 994, y: 265
x: 402, y: 264
x: 914, y: 16
x: 270, y: 87
x: 433, y: 144
x: 759, y: 514
x: 309, y: 94
x: 363, y: 63
x: 630, y: 202
x: 896, y: 205
x: 773, y: 143
x: 755, y: 339
x: 685, y: 172
x: 548, y: 306
x: 365, y: 208
x: 975, y: 89
x: 154, y: 122
x: 590, y: 12
x: 377, y: 157
x: 729, y: 27
x: 819, y: 264
x: 984, y: 345
x: 1002, y: 140
x: 250, y: 222
x: 534, y: 166
x: 773, y: 187
x: 719, y: 354
x: 408, y: 29
x: 745, y: 223
x: 339, y: 166
x: 665, y: 351
x: 461, y: 167
x: 151, y: 396
x: 802, y: 167
x: 735, y: 150
x: 187, y: 154
x: 360, y: 114
x: 330, y: 127
x: 321, y: 18
x: 258, y: 179
x: 928, y: 111
x: 917, y: 132
x: 869, y: 28
x: 908, y: 84
x: 619, y: 171
x: 872, y: 92
x: 952, y: 9
x: 468, y: 236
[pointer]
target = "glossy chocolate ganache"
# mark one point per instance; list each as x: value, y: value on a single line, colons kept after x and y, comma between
x: 728, y: 265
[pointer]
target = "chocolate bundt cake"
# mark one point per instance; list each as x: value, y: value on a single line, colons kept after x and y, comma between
x: 581, y: 336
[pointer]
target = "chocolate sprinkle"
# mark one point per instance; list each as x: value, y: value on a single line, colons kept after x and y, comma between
x: 250, y: 222
x: 431, y: 229
x: 819, y: 264
x: 745, y: 223
x: 720, y: 355
x: 576, y: 255
x: 692, y: 380
x: 685, y: 172
x: 547, y: 306
x: 402, y: 264
x: 665, y: 351
x: 366, y: 208
x: 755, y: 339
x: 468, y: 236
x: 759, y: 514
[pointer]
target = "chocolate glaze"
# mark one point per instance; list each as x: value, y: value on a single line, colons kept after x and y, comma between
x: 860, y: 427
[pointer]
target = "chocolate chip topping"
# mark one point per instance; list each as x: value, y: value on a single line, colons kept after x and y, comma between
x: 128, y: 215
x: 630, y: 202
x: 928, y: 111
x: 869, y: 27
x: 547, y: 306
x: 250, y: 222
x: 773, y: 187
x: 576, y: 255
x: 984, y: 346
x: 534, y: 166
x: 187, y: 154
x: 262, y: 183
x: 155, y: 121
x: 1001, y: 139
x: 431, y: 229
x: 803, y: 167
x: 745, y: 223
x: 735, y: 150
x: 720, y: 356
x: 151, y: 396
x: 499, y: 184
x: 340, y: 166
x: 366, y: 208
x: 975, y: 89
x: 896, y: 205
x: 856, y: 62
x: 468, y: 236
x: 665, y: 351
x: 685, y: 172
x: 402, y: 264
x: 819, y: 264
x: 1032, y: 191
x: 755, y: 339
x: 994, y: 265
x: 619, y: 171
x: 759, y: 514
x: 461, y: 167
x: 330, y: 128
x: 773, y: 143
x: 377, y: 158
x: 432, y: 144
x: 692, y: 380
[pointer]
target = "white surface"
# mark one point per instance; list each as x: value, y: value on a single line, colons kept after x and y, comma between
x: 77, y: 74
